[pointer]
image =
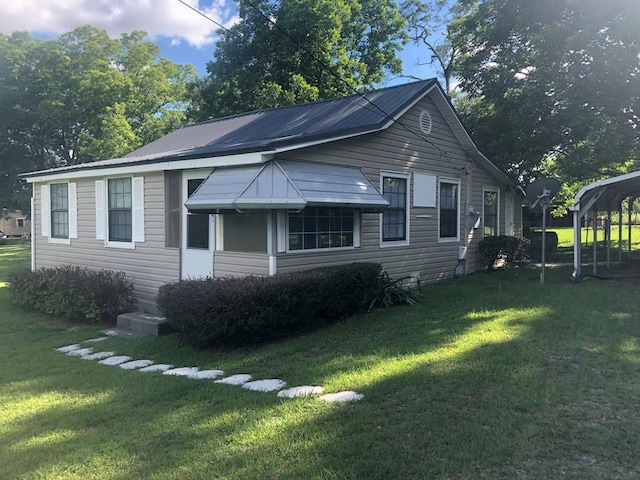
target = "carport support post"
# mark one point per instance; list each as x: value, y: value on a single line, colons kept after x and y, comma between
x: 577, y: 245
x: 595, y: 239
x: 631, y: 200
x: 607, y: 234
x: 620, y: 233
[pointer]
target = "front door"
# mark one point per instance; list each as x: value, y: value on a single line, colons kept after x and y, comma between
x: 197, y: 232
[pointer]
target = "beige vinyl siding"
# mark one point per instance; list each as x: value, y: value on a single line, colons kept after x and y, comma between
x: 149, y: 265
x: 396, y: 150
x: 226, y: 264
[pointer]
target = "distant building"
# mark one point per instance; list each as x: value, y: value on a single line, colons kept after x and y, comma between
x: 15, y: 223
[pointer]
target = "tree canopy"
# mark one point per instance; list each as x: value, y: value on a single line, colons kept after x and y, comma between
x: 293, y: 51
x: 82, y: 97
x: 552, y: 86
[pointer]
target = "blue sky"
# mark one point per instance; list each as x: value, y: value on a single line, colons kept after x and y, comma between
x: 182, y: 35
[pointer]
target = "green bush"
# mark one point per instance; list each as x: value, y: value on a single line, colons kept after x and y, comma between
x: 238, y: 311
x: 394, y: 292
x: 505, y: 247
x: 73, y: 292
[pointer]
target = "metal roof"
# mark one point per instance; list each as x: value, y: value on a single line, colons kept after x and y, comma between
x: 608, y: 193
x: 285, y: 184
x: 268, y: 130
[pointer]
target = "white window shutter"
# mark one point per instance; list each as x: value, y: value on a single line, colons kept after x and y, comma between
x: 100, y: 210
x: 45, y: 209
x: 73, y: 210
x: 138, y: 209
x: 424, y: 190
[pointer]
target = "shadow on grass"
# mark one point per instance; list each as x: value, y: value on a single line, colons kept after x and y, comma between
x: 493, y: 376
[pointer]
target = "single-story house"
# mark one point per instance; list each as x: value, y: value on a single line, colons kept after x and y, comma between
x: 15, y: 224
x: 390, y: 176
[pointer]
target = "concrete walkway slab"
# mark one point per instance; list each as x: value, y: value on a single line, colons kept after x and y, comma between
x: 347, y: 396
x: 69, y: 348
x: 135, y: 364
x: 302, y: 391
x: 157, y: 367
x: 115, y: 360
x: 182, y: 372
x: 239, y: 379
x: 205, y: 374
x: 98, y: 356
x: 80, y: 352
x: 266, y: 385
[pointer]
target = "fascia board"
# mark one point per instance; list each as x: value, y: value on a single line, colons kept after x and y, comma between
x: 208, y: 162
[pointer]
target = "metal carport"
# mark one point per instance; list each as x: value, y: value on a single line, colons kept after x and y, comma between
x: 604, y: 195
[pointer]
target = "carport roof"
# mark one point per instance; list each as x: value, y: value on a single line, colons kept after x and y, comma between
x: 608, y: 193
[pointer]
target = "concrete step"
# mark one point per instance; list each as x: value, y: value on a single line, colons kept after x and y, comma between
x: 143, y: 323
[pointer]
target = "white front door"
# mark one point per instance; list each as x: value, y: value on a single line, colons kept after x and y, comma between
x: 197, y: 232
x: 509, y: 221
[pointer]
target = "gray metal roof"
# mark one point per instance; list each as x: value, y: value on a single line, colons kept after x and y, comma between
x: 267, y: 130
x: 608, y: 193
x: 285, y: 184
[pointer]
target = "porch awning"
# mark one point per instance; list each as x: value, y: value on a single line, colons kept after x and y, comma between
x: 285, y: 184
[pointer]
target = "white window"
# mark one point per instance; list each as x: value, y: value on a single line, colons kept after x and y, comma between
x: 317, y: 228
x: 394, y: 221
x: 120, y: 211
x: 490, y: 209
x: 449, y: 211
x: 59, y: 209
x: 20, y: 222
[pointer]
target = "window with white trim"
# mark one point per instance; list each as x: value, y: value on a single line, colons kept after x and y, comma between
x: 120, y: 211
x: 394, y: 222
x: 490, y: 209
x: 323, y: 228
x: 59, y: 210
x: 58, y: 206
x: 449, y: 210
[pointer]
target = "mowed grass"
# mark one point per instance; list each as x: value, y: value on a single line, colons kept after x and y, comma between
x: 493, y: 376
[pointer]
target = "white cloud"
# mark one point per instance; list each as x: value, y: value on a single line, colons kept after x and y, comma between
x: 159, y: 18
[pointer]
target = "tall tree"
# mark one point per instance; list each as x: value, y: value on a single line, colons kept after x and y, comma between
x: 431, y: 24
x: 291, y: 51
x: 82, y: 97
x: 552, y: 86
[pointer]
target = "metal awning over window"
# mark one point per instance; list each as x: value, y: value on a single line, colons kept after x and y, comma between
x: 285, y: 184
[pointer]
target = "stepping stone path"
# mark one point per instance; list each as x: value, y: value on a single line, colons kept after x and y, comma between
x: 243, y: 380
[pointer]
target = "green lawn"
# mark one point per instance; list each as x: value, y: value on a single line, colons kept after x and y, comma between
x: 493, y: 376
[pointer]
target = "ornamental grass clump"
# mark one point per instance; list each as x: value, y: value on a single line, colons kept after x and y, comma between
x: 73, y: 293
x: 238, y: 311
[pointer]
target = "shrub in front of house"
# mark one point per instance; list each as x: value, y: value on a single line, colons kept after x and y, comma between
x: 74, y: 293
x: 502, y: 247
x: 239, y: 311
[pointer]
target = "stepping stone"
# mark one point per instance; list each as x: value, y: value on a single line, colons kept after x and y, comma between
x: 95, y: 340
x: 135, y: 364
x: 158, y: 367
x: 68, y: 348
x: 203, y: 374
x: 98, y: 356
x: 80, y: 352
x: 267, y: 385
x: 239, y: 379
x: 303, y: 391
x: 117, y: 360
x: 341, y: 397
x: 182, y: 372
